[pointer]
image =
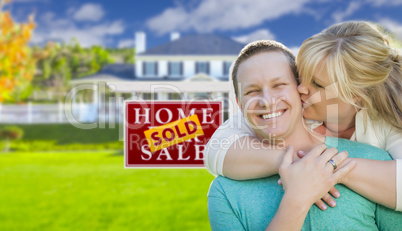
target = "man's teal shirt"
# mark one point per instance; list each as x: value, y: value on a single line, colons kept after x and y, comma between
x: 251, y: 204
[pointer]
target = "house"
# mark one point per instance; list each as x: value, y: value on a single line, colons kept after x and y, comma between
x: 189, y: 67
x: 192, y: 58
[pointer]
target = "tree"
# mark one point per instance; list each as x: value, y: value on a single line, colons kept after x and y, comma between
x: 17, y: 62
x: 63, y: 62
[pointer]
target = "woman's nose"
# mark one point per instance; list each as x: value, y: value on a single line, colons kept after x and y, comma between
x: 302, y: 89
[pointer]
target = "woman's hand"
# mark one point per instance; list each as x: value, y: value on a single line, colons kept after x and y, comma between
x: 309, y: 179
x: 327, y: 198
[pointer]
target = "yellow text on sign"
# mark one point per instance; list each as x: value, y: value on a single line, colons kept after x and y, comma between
x: 173, y: 133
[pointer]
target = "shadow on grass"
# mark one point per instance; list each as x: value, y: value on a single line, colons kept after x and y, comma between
x: 118, y: 153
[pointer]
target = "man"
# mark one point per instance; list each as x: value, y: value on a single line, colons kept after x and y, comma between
x: 266, y: 87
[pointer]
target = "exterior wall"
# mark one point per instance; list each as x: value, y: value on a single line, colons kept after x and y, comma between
x: 163, y: 68
x: 138, y: 68
x: 188, y: 68
x: 215, y: 68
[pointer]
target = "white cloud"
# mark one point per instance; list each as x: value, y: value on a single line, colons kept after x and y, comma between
x: 48, y: 20
x: 294, y: 50
x: 385, y: 2
x: 211, y: 15
x: 113, y: 28
x: 61, y: 29
x: 339, y: 16
x: 125, y: 43
x: 393, y: 26
x: 89, y: 12
x: 256, y: 35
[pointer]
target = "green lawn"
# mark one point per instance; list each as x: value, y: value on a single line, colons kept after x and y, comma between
x: 92, y: 191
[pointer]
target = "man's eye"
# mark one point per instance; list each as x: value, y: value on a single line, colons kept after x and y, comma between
x: 279, y: 84
x: 250, y: 91
x: 317, y: 85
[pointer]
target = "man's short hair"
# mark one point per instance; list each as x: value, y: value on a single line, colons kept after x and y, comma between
x: 258, y: 47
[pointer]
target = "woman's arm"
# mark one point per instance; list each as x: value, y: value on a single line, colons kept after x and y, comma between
x: 378, y: 180
x: 235, y: 152
x: 305, y: 182
x: 249, y: 158
x: 394, y: 148
x: 290, y: 215
x: 375, y: 180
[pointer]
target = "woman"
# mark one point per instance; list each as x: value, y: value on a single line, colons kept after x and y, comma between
x: 352, y: 60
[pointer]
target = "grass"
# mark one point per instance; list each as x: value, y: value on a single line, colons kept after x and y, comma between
x: 92, y: 191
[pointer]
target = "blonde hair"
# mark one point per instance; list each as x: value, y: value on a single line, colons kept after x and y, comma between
x: 258, y: 47
x: 358, y: 57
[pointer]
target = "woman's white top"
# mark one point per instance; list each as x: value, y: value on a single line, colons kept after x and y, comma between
x: 377, y: 133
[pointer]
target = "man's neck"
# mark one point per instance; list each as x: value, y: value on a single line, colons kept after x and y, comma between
x: 301, y: 138
x: 341, y: 130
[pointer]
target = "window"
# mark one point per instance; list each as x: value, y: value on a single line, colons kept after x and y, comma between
x: 202, y: 67
x: 202, y: 95
x: 226, y: 67
x: 175, y: 96
x: 148, y: 96
x: 175, y: 68
x: 150, y: 68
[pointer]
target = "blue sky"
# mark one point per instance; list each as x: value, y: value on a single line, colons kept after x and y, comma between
x: 113, y: 23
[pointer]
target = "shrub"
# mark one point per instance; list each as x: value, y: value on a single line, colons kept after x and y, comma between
x: 10, y: 133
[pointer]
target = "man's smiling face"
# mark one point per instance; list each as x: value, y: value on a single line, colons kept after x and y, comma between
x: 268, y: 94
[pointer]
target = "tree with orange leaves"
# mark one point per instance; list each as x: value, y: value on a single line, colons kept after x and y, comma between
x: 17, y: 63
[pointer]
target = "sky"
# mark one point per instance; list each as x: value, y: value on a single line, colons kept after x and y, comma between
x: 113, y: 23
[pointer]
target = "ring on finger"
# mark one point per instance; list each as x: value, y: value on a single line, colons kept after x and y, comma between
x: 332, y: 162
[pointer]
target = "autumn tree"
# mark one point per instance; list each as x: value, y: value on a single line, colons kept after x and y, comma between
x: 17, y: 63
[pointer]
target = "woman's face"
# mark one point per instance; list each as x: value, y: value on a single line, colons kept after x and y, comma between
x: 321, y: 102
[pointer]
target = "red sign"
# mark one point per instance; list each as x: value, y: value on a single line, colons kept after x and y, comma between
x: 168, y: 133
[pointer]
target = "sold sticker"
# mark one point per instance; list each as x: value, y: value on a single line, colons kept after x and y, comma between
x: 173, y: 133
x: 169, y: 133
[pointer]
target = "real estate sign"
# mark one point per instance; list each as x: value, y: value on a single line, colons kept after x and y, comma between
x: 169, y: 133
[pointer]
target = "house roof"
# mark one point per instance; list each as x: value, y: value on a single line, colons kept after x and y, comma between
x: 200, y: 44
